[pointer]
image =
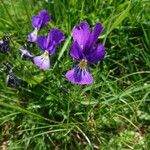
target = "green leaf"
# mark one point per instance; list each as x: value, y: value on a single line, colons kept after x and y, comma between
x: 63, y: 50
x: 120, y: 18
x: 22, y: 110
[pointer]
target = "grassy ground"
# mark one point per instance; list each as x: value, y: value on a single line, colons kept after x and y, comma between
x: 51, y: 113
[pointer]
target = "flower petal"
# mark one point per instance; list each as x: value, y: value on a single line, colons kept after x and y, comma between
x: 55, y: 37
x: 76, y: 51
x: 45, y: 17
x: 40, y: 20
x: 97, y: 30
x: 96, y: 54
x: 36, y: 22
x: 79, y: 76
x: 32, y: 37
x: 42, y: 62
x: 94, y: 35
x: 81, y: 33
x: 4, y: 47
x: 1, y: 42
x: 25, y: 53
x: 41, y: 40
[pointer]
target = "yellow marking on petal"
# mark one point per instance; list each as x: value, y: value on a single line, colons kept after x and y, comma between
x: 46, y: 54
x: 83, y: 64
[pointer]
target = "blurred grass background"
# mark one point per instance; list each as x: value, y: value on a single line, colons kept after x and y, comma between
x: 51, y: 113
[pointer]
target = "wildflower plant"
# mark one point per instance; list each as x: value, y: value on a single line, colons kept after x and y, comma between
x: 44, y: 109
x: 48, y: 44
x: 37, y: 23
x: 5, y: 44
x: 85, y: 51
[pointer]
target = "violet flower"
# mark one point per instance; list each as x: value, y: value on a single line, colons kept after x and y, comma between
x: 5, y: 44
x: 25, y: 53
x: 48, y: 44
x: 38, y: 22
x: 11, y: 80
x: 85, y: 50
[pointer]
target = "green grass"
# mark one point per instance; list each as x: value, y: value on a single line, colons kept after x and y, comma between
x: 51, y: 113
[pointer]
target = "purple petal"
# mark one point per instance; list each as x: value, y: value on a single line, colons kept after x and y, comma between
x: 55, y: 37
x: 1, y: 42
x: 42, y: 61
x: 79, y: 76
x: 96, y: 54
x: 94, y: 35
x: 97, y: 30
x: 25, y: 53
x: 81, y: 33
x: 45, y: 17
x: 41, y: 40
x: 76, y: 51
x: 40, y: 20
x: 32, y: 37
x: 36, y: 22
x: 52, y: 48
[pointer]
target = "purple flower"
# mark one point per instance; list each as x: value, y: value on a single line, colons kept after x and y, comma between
x: 5, y: 44
x: 25, y: 53
x: 85, y: 50
x: 38, y: 22
x: 48, y: 44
